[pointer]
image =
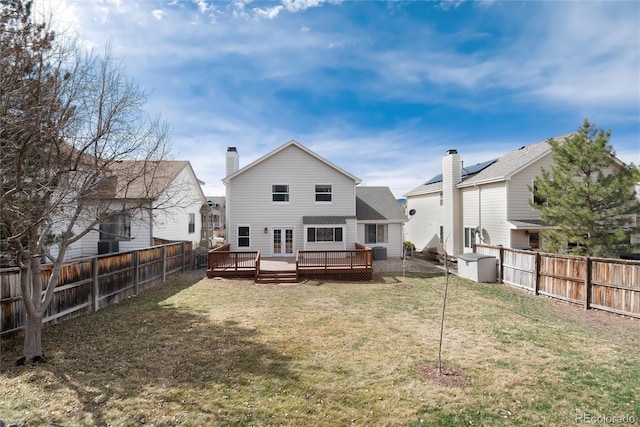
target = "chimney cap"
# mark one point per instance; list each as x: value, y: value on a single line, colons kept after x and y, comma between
x: 232, y: 149
x: 452, y: 151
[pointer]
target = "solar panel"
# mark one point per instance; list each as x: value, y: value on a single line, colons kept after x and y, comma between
x: 470, y: 170
x: 466, y: 171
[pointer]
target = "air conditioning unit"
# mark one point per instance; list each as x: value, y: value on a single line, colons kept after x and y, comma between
x: 108, y: 246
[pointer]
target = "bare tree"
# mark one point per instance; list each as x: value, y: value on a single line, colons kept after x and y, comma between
x: 69, y: 121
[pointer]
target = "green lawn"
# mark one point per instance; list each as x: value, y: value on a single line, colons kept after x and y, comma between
x: 225, y: 352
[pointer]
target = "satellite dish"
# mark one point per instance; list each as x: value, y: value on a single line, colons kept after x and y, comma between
x: 412, y: 212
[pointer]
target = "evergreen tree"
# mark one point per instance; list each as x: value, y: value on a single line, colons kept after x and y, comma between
x: 588, y: 196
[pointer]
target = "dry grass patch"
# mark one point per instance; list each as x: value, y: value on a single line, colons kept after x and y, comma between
x: 226, y: 352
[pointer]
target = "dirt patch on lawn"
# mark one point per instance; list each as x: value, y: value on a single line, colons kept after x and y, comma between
x: 450, y: 376
x: 624, y: 330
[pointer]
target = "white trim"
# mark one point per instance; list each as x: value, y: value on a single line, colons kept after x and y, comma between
x: 293, y: 143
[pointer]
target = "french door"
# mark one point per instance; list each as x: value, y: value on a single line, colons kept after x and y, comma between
x: 282, y: 241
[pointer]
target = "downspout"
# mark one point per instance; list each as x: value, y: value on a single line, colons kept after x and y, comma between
x: 479, y: 230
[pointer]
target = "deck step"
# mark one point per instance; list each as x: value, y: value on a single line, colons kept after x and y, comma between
x: 266, y: 276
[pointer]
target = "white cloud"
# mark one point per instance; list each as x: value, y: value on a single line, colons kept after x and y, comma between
x: 203, y: 6
x: 268, y: 13
x: 300, y: 5
x: 157, y: 13
x: 449, y: 4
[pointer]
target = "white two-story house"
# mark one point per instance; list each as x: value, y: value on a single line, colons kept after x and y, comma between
x: 168, y: 207
x: 292, y: 199
x: 486, y: 203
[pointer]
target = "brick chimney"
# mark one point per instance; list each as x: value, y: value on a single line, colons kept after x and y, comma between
x: 233, y: 161
x: 452, y: 202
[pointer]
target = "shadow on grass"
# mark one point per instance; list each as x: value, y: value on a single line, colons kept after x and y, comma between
x: 144, y: 349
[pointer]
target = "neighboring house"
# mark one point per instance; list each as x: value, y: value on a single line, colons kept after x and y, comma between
x: 292, y: 199
x: 172, y: 210
x: 213, y: 222
x: 484, y: 203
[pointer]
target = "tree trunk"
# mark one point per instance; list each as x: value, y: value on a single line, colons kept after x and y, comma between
x: 32, y: 350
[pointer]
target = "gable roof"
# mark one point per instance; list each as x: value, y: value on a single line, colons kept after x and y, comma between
x: 291, y: 143
x: 144, y: 180
x: 512, y: 163
x: 499, y: 169
x: 378, y: 204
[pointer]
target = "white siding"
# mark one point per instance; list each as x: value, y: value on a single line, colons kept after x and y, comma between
x: 471, y: 216
x: 423, y: 228
x: 140, y: 236
x: 495, y: 230
x: 249, y: 198
x: 171, y: 214
x: 519, y: 194
x: 519, y: 239
x: 394, y: 241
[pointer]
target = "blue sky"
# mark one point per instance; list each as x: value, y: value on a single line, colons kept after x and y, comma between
x: 381, y: 89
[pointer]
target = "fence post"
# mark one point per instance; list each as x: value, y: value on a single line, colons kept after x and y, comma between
x: 587, y: 283
x: 96, y: 284
x: 136, y: 271
x: 536, y: 281
x: 500, y: 261
x: 184, y: 256
x: 163, y: 252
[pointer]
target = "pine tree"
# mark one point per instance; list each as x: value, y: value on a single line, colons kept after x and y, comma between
x: 588, y: 196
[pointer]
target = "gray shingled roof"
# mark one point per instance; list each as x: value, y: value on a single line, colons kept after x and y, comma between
x: 321, y: 220
x: 501, y: 169
x: 512, y: 162
x: 378, y: 204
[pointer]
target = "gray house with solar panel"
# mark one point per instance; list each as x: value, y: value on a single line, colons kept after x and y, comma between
x: 485, y: 203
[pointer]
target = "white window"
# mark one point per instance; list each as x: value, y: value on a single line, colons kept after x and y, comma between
x: 469, y: 237
x: 116, y: 227
x: 280, y: 193
x: 244, y: 236
x: 324, y: 234
x: 441, y: 198
x: 376, y: 233
x: 323, y: 193
x: 192, y: 223
x: 441, y: 233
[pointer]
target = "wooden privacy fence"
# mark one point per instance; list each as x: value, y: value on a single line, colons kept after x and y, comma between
x: 89, y: 284
x: 603, y: 283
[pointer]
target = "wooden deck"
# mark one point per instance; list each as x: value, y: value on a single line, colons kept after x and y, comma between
x: 352, y: 265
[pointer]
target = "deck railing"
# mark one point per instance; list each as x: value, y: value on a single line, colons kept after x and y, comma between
x: 232, y: 263
x: 356, y: 264
x: 356, y: 258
